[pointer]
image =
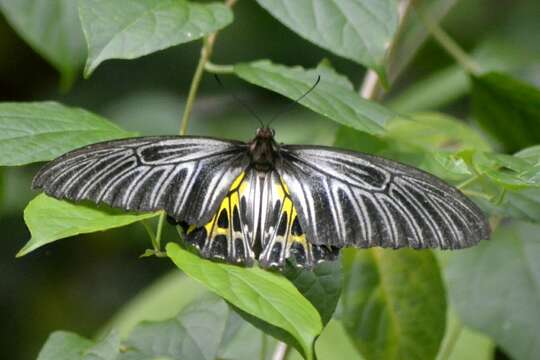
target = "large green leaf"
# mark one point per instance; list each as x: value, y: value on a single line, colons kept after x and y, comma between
x: 52, y: 28
x: 333, y: 97
x: 49, y: 220
x: 320, y: 285
x: 162, y: 300
x: 62, y: 345
x: 360, y: 30
x: 259, y: 293
x: 31, y: 132
x: 195, y: 333
x: 127, y: 29
x: 495, y: 288
x: 394, y: 304
x: 508, y: 109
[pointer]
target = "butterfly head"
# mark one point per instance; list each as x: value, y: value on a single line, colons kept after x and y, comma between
x: 265, y: 133
x: 263, y: 149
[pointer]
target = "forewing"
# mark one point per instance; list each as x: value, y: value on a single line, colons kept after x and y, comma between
x: 185, y: 176
x: 351, y: 199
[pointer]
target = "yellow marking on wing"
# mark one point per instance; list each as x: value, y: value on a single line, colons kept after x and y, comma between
x: 236, y: 183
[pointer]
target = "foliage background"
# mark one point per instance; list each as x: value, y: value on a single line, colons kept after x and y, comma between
x: 79, y: 285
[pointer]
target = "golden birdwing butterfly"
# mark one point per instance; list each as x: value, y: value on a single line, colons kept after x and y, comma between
x: 239, y: 202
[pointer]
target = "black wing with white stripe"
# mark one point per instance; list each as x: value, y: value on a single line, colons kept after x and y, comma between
x: 352, y: 199
x: 188, y: 177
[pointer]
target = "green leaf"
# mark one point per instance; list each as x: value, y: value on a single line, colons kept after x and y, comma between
x: 494, y: 288
x: 359, y: 30
x: 195, y: 333
x: 31, y: 132
x: 334, y: 343
x: 52, y: 28
x: 394, y: 304
x: 510, y: 172
x: 259, y: 293
x: 127, y: 29
x: 321, y: 285
x: 463, y: 343
x: 107, y: 348
x: 508, y: 109
x: 62, y: 345
x: 334, y: 97
x: 49, y: 220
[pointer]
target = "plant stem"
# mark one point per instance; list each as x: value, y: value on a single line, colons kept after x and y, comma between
x: 150, y: 233
x: 206, y: 52
x: 449, y: 44
x: 280, y: 352
x: 450, y: 343
x: 159, y: 231
x: 371, y: 85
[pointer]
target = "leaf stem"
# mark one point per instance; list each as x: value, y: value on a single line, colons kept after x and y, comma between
x: 449, y: 44
x: 218, y: 69
x: 159, y: 231
x: 150, y: 233
x: 450, y: 343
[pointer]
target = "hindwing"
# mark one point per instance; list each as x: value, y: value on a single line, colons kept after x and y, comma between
x: 257, y: 220
x: 186, y: 176
x: 352, y: 199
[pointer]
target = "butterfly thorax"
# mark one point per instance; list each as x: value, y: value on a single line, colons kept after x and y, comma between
x: 263, y: 149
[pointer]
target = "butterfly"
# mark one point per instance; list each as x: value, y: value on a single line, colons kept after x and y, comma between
x: 240, y: 202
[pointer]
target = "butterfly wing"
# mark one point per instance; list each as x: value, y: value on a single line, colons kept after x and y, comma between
x: 188, y: 177
x: 351, y: 199
x: 257, y: 220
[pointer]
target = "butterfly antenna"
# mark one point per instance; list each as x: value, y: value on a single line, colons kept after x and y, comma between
x: 240, y: 101
x: 290, y: 105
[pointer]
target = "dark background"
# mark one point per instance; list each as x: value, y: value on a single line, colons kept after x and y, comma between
x: 78, y: 283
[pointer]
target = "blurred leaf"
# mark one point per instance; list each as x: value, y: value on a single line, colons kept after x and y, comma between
x: 52, y: 28
x: 49, y: 219
x: 107, y: 348
x: 320, y: 285
x: 508, y: 109
x: 333, y: 97
x: 449, y: 84
x: 359, y: 30
x: 436, y: 131
x: 39, y: 131
x: 469, y: 345
x: 413, y: 33
x: 394, y: 304
x: 242, y: 341
x: 62, y: 345
x: 260, y: 293
x: 127, y: 29
x: 494, y: 287
x: 511, y: 172
x: 195, y: 334
x: 162, y: 300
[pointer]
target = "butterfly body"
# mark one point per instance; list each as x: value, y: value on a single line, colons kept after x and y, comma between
x: 241, y: 202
